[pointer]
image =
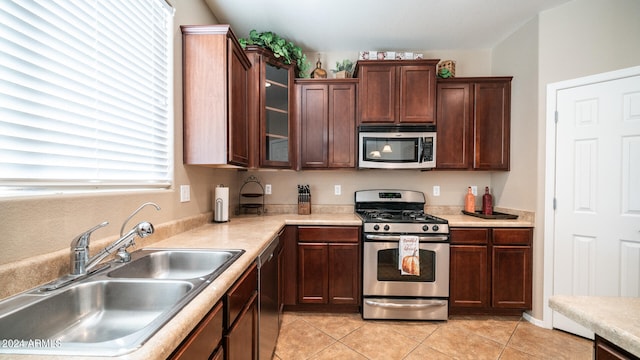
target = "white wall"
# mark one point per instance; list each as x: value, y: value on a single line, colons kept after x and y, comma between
x: 517, y: 55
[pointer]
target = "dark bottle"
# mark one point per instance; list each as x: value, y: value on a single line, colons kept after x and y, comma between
x: 487, y: 202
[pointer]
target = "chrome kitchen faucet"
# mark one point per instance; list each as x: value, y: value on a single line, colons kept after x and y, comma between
x: 81, y: 264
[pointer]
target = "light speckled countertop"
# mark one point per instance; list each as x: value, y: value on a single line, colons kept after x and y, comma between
x: 252, y: 234
x: 616, y: 319
x: 471, y: 221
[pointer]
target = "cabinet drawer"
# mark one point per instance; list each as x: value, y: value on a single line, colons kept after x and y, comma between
x: 240, y: 294
x: 469, y: 236
x: 512, y: 236
x: 349, y: 234
x: 205, y: 337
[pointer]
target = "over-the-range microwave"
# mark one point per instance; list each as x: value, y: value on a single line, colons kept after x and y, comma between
x: 396, y: 146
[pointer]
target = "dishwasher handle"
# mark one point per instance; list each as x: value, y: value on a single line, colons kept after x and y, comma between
x: 267, y: 254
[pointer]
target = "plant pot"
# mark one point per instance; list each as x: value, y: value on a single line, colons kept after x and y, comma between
x: 342, y: 74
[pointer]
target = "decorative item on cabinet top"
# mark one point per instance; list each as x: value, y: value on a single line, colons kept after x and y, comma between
x: 343, y: 69
x: 389, y: 55
x: 319, y: 72
x: 447, y: 69
x: 285, y: 50
x: 251, y: 197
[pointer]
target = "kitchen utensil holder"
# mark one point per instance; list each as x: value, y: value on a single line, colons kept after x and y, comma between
x: 304, y: 208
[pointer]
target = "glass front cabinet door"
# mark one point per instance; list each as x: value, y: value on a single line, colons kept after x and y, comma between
x: 272, y: 112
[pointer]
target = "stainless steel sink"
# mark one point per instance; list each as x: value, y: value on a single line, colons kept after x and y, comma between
x: 176, y: 264
x: 113, y: 311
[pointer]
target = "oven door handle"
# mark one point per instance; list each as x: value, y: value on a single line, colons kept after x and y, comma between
x: 397, y: 238
x: 406, y: 306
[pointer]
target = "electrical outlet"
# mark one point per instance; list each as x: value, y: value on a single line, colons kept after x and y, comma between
x: 474, y: 190
x: 337, y: 189
x: 436, y: 190
x: 267, y: 189
x: 185, y: 193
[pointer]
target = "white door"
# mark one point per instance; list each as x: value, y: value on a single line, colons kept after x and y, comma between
x: 597, y: 190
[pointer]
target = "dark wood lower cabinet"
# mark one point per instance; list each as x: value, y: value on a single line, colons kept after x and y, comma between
x: 606, y: 350
x: 241, y: 338
x: 490, y: 270
x: 469, y: 288
x: 241, y: 317
x: 326, y: 269
x: 205, y: 340
x: 313, y: 275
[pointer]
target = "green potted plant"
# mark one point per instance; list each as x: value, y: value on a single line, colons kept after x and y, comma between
x: 282, y: 49
x: 343, y: 70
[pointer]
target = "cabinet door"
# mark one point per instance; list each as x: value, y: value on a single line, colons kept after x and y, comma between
x: 290, y: 264
x: 242, y: 337
x: 511, y: 277
x: 344, y: 270
x: 342, y: 126
x: 377, y: 94
x: 491, y: 125
x: 314, y: 125
x: 204, y: 339
x: 276, y: 125
x: 417, y: 94
x: 214, y: 95
x: 454, y: 146
x: 238, y: 107
x: 313, y: 273
x: 469, y: 279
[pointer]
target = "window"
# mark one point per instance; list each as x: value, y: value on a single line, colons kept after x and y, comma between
x: 85, y: 95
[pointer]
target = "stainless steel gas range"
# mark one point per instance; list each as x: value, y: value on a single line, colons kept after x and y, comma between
x: 405, y: 263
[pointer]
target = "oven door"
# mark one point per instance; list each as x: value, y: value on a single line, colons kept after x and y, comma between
x: 381, y: 276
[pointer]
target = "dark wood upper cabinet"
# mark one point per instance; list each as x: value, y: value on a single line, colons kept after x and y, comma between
x: 327, y: 121
x: 396, y: 92
x: 454, y: 145
x: 271, y: 110
x: 473, y: 123
x: 215, y: 84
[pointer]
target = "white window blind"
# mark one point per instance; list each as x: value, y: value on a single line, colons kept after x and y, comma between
x: 85, y: 94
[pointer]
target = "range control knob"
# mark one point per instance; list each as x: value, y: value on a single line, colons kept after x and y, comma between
x: 386, y: 228
x: 425, y: 227
x: 376, y: 227
x: 435, y: 227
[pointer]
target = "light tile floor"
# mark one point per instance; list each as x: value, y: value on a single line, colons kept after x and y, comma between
x: 346, y: 336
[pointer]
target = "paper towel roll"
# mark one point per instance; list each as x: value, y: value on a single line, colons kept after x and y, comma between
x: 221, y: 204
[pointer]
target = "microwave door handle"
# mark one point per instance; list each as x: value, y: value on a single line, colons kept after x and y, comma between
x: 422, y: 150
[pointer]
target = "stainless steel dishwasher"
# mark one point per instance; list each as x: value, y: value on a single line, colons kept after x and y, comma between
x: 268, y: 316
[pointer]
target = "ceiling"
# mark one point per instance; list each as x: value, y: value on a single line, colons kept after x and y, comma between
x: 394, y: 25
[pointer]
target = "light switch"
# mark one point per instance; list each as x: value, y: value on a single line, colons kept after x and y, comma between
x: 436, y: 190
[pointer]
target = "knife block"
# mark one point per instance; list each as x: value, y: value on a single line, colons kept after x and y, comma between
x: 304, y: 207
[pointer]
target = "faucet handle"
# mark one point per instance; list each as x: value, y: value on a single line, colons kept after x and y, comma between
x: 82, y: 240
x: 80, y: 250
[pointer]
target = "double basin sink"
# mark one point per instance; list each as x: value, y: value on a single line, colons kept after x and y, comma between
x: 113, y: 311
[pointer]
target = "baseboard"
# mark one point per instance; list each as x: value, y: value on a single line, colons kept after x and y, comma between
x: 534, y: 321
